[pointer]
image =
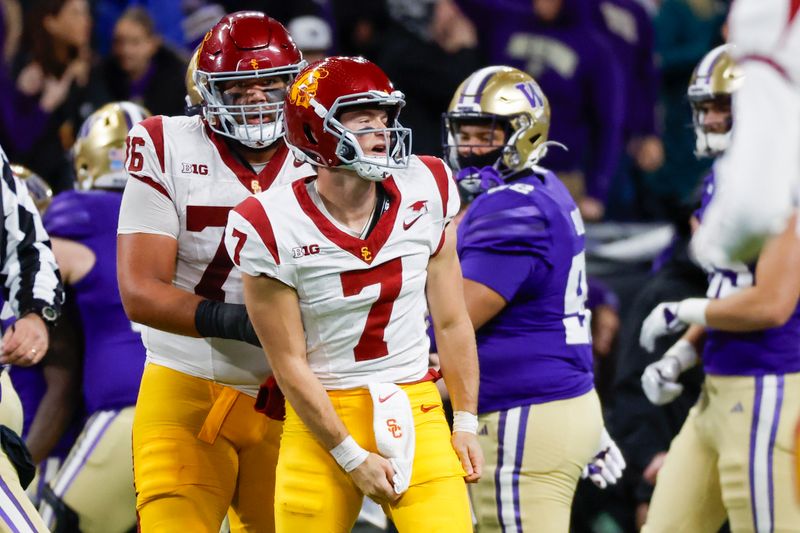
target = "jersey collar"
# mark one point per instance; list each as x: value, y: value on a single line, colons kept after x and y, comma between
x: 252, y: 181
x: 364, y: 249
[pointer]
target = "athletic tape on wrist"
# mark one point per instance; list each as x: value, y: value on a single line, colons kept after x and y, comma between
x: 465, y: 422
x: 349, y: 454
x: 693, y: 311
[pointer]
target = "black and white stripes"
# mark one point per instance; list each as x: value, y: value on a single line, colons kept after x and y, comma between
x: 28, y: 270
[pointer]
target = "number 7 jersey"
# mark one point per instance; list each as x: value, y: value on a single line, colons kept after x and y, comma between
x: 362, y: 301
x: 183, y: 181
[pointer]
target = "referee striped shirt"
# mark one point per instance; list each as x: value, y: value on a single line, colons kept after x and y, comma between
x: 28, y: 271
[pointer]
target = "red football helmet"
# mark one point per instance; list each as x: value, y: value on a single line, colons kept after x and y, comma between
x: 315, y: 101
x: 242, y: 46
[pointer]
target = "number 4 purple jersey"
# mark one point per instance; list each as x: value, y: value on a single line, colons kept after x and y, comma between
x: 525, y: 241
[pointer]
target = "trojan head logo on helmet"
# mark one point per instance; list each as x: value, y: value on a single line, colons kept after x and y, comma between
x: 241, y: 48
x: 315, y: 102
x: 305, y: 87
x: 38, y: 189
x: 511, y: 113
x: 710, y: 92
x: 99, y: 151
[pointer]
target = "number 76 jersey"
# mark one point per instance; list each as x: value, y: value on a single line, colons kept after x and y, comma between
x: 183, y: 181
x: 362, y: 301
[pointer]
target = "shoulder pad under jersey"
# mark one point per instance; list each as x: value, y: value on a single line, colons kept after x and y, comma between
x: 506, y: 219
x: 68, y: 216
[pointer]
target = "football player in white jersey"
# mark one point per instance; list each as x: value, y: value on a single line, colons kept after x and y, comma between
x: 336, y: 272
x: 198, y: 445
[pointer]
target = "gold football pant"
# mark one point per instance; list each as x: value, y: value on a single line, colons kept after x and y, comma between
x: 198, y: 449
x: 732, y: 458
x: 96, y: 479
x: 17, y: 513
x: 534, y: 457
x: 314, y: 494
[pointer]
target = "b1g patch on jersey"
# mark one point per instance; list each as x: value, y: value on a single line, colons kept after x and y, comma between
x: 194, y: 168
x: 302, y: 251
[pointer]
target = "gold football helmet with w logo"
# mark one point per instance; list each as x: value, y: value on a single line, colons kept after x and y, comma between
x: 711, y: 89
x: 513, y: 104
x: 99, y: 151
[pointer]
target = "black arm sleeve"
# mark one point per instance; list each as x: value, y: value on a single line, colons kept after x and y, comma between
x: 226, y: 321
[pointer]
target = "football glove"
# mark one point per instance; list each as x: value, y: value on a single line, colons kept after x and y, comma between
x: 606, y: 467
x: 659, y: 379
x: 661, y: 321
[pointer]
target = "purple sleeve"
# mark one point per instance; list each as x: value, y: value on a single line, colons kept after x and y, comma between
x: 503, y: 273
x: 605, y: 90
x: 67, y: 216
x: 505, y: 238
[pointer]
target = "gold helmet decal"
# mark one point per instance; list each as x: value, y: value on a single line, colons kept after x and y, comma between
x: 99, y: 151
x: 305, y: 87
x: 254, y: 63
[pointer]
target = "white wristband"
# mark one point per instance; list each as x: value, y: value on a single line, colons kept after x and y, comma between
x: 693, y: 311
x: 685, y: 353
x: 465, y: 422
x: 349, y: 454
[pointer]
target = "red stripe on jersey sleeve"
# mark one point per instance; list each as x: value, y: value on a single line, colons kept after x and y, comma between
x: 439, y: 247
x: 252, y: 210
x: 794, y: 6
x: 153, y: 183
x: 436, y: 166
x: 765, y: 60
x: 155, y: 128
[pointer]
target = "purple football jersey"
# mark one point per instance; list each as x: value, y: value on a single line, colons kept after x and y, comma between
x: 113, y: 352
x: 525, y: 241
x: 770, y: 351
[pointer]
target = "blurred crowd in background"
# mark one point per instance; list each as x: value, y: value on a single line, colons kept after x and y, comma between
x: 615, y: 73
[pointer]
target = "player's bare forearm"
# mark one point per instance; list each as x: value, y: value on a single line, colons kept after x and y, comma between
x: 61, y: 371
x: 274, y: 310
x: 772, y: 300
x: 459, y: 363
x: 145, y: 269
x: 455, y: 337
x: 696, y: 336
x: 53, y: 414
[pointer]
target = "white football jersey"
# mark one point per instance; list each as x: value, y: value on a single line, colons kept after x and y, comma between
x: 194, y: 179
x: 362, y: 300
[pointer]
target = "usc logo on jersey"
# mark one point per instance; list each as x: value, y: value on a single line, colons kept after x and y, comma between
x: 394, y: 428
x: 305, y: 87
